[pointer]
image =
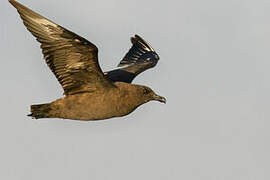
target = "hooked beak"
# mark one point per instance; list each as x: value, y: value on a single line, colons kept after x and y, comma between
x: 159, y: 98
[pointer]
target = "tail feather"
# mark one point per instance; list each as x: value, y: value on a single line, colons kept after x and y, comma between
x: 40, y: 111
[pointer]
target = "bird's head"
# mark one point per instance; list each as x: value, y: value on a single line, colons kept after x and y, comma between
x: 138, y: 94
x: 148, y: 94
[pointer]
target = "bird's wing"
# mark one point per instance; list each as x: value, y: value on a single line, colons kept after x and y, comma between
x: 72, y: 59
x: 139, y: 58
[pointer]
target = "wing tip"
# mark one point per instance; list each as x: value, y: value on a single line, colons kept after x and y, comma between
x: 139, y: 49
x: 143, y: 42
x: 13, y: 2
x: 16, y: 4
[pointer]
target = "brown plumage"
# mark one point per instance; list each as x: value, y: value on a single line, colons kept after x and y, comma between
x: 89, y: 93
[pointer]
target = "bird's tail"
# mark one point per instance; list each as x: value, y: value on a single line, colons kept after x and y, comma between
x: 40, y: 111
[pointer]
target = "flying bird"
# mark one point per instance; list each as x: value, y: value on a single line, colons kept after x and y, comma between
x: 89, y: 93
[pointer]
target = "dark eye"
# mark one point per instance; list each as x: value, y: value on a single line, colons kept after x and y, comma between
x: 146, y: 91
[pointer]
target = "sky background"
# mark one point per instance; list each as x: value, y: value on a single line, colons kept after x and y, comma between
x: 214, y: 71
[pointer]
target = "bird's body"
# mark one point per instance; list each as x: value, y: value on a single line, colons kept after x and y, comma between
x: 90, y: 94
x: 97, y: 105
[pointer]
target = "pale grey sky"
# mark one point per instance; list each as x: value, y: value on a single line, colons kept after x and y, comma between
x: 214, y: 70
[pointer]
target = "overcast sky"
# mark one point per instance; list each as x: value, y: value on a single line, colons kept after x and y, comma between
x: 214, y: 71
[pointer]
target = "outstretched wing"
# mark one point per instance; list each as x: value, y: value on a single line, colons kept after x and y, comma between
x: 139, y: 58
x: 72, y: 59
